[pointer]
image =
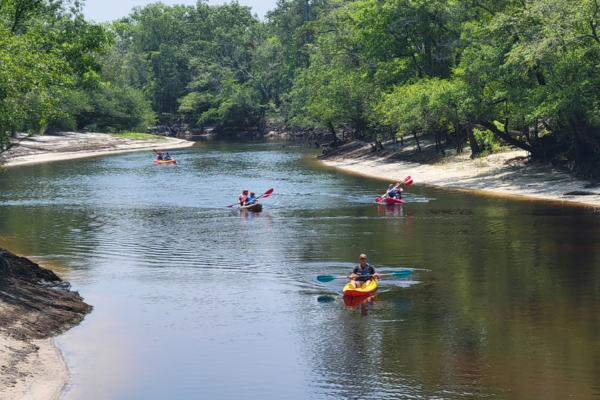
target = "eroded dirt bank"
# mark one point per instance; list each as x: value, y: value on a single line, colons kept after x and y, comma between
x: 35, y: 305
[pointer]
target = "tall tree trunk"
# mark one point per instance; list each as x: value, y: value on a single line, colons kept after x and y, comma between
x: 458, y: 142
x: 509, y: 139
x: 538, y: 142
x: 438, y: 142
x: 332, y: 130
x: 472, y: 142
x: 414, y: 131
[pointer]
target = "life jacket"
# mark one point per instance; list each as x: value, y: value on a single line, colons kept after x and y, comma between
x: 250, y: 200
x: 243, y: 198
x: 365, y: 270
x: 392, y: 193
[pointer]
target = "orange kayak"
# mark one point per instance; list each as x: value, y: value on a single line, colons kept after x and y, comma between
x: 171, y: 161
x: 350, y: 290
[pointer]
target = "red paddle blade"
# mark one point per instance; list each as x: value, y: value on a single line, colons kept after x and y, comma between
x: 379, y: 199
x: 265, y: 194
x: 408, y: 183
x: 407, y: 179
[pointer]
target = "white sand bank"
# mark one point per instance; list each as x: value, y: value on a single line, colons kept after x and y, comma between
x: 33, y: 370
x: 71, y: 145
x: 499, y: 174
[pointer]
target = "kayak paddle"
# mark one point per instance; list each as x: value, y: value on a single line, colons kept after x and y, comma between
x: 265, y: 195
x: 404, y: 182
x: 398, y: 274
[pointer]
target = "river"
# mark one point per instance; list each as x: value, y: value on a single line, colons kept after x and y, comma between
x: 196, y: 300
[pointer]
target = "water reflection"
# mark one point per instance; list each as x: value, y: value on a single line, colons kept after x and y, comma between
x: 363, y: 303
x: 325, y: 299
x: 192, y: 299
x: 248, y: 215
x: 393, y: 210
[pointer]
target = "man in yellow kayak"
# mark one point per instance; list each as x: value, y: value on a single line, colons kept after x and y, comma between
x: 363, y: 273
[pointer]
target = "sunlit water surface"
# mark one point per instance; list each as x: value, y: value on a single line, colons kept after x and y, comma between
x: 196, y: 300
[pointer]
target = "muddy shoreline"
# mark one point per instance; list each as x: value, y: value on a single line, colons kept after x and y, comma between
x: 35, y: 305
x: 506, y: 174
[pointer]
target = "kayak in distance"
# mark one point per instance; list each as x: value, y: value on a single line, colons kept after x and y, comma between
x: 391, y: 200
x: 350, y: 290
x: 171, y: 161
x: 256, y: 207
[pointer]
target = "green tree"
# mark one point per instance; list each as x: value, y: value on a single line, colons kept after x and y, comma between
x: 45, y: 51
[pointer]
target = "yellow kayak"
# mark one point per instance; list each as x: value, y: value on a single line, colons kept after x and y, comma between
x: 171, y: 161
x: 350, y: 290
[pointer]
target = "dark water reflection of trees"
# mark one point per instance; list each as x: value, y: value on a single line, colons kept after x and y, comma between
x: 503, y: 302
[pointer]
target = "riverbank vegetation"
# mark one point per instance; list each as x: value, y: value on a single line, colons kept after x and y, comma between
x: 471, y: 75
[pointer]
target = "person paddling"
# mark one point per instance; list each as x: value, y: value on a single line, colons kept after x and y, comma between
x: 389, y: 190
x: 168, y: 156
x: 392, y: 191
x: 363, y: 273
x: 251, y: 199
x: 398, y: 190
x: 243, y: 197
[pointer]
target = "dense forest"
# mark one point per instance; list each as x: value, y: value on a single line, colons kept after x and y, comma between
x: 470, y: 74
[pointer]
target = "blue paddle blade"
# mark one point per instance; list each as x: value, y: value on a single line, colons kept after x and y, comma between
x: 325, y: 278
x: 402, y: 274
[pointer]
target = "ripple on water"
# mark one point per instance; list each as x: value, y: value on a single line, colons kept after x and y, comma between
x: 193, y: 299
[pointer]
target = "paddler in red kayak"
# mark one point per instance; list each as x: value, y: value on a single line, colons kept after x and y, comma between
x: 399, y: 190
x: 363, y: 272
x: 394, y: 192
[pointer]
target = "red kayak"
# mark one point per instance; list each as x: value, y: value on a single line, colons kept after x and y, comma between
x: 390, y: 200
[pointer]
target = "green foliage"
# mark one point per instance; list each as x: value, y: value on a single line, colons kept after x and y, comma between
x: 487, y: 142
x: 107, y: 108
x: 45, y: 52
x: 482, y: 73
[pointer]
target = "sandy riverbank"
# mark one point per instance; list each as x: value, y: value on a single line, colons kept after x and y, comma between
x: 501, y: 174
x: 31, y: 370
x: 71, y: 145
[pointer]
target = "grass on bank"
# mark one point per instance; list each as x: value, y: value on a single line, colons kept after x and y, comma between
x: 137, y: 136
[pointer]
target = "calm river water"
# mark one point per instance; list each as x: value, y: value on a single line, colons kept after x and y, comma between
x: 195, y: 300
